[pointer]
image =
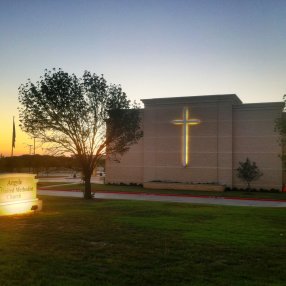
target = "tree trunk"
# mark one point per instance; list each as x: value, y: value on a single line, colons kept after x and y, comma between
x: 87, y: 172
x: 87, y: 188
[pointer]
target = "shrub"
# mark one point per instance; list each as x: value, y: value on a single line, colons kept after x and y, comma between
x: 248, y: 172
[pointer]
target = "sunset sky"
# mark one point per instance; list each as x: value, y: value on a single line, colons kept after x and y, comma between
x: 152, y: 48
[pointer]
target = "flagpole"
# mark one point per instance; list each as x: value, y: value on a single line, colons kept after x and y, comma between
x: 13, y: 137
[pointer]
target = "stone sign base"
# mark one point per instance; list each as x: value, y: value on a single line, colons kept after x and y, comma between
x: 181, y: 186
x: 21, y: 207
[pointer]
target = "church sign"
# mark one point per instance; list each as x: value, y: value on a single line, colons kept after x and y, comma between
x: 18, y: 194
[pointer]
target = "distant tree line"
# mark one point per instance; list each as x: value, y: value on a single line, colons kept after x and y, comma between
x: 39, y: 163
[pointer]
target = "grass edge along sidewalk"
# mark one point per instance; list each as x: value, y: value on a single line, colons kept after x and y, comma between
x: 267, y: 196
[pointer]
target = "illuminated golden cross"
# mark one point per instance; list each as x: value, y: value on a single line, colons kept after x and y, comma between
x: 186, y: 122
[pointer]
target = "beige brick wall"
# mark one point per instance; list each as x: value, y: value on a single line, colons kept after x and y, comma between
x: 254, y: 137
x: 228, y: 133
x: 129, y: 168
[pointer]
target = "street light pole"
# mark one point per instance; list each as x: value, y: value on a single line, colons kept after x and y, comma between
x: 30, y: 148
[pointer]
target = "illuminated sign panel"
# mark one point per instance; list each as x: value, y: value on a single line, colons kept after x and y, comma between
x: 186, y: 122
x: 18, y: 194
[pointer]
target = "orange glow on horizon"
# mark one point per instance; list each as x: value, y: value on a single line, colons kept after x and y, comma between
x: 22, y: 142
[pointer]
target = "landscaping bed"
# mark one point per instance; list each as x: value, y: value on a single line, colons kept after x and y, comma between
x: 186, y: 187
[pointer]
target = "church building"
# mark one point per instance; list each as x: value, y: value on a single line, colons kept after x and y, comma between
x: 201, y: 140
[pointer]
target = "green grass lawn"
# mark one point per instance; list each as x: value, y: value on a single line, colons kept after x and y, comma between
x: 137, y: 189
x: 77, y: 242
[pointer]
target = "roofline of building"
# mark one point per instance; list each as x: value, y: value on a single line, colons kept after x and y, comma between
x: 233, y: 98
x: 260, y: 105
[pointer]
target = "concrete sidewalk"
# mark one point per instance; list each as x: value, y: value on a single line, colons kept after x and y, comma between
x: 171, y: 198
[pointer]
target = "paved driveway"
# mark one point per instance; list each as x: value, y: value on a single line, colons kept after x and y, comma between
x: 172, y: 198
